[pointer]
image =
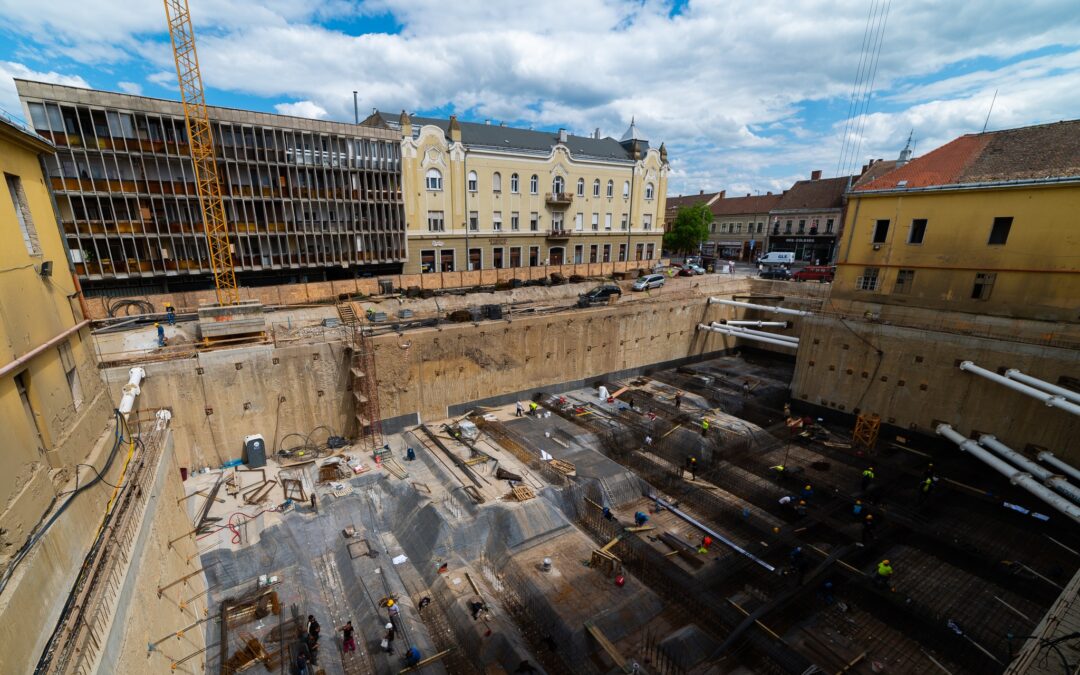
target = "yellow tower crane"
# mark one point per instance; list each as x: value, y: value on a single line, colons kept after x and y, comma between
x: 201, y: 142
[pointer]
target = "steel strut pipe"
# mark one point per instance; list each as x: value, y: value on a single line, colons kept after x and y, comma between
x: 764, y: 308
x: 1015, y: 475
x: 1049, y: 399
x: 745, y: 336
x: 1051, y: 480
x: 751, y: 331
x: 1065, y: 468
x: 756, y: 324
x: 1068, y: 394
x: 131, y: 390
x: 712, y: 533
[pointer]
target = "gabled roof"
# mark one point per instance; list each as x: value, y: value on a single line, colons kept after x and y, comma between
x: 749, y: 204
x: 823, y: 193
x: 498, y: 136
x: 876, y: 170
x: 1028, y: 153
x: 674, y: 203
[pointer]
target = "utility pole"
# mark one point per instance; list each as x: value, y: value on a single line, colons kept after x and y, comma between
x: 355, y: 108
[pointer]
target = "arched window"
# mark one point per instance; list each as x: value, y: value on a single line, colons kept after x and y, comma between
x: 580, y: 187
x: 496, y: 182
x: 558, y: 185
x: 514, y: 183
x: 626, y: 189
x: 611, y: 188
x: 534, y: 184
x: 434, y: 179
x: 648, y: 191
x: 472, y: 181
x: 596, y: 188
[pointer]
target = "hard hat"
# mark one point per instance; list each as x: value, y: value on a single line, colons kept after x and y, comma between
x: 390, y: 602
x: 884, y: 562
x: 156, y: 325
x: 858, y: 501
x: 802, y: 501
x: 869, y: 516
x: 808, y: 487
x: 389, y: 626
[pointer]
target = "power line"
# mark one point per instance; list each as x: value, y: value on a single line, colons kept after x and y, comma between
x: 870, y: 88
x: 854, y: 88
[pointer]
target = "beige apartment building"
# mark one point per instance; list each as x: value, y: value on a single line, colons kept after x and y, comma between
x: 739, y: 226
x: 488, y: 196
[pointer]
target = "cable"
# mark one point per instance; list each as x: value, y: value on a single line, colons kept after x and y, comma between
x: 143, y: 307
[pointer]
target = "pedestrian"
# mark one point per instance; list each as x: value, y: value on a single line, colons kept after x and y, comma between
x: 424, y: 602
x: 868, y: 529
x: 314, y: 504
x: 704, y: 426
x: 313, y: 649
x: 160, y: 334
x: 348, y: 642
x: 857, y: 509
x: 746, y: 388
x: 867, y: 477
x: 678, y: 400
x: 310, y: 621
x: 314, y: 629
x: 170, y: 314
x: 533, y: 407
x: 519, y: 409
x: 924, y: 489
x: 884, y: 574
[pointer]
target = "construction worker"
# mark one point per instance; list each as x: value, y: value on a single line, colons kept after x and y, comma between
x: 348, y: 641
x: 746, y: 388
x: 392, y: 609
x: 778, y: 472
x: 929, y: 472
x: 412, y: 657
x: 519, y: 409
x: 884, y: 574
x: 706, y: 542
x: 678, y: 399
x: 170, y: 314
x: 606, y: 513
x: 640, y: 519
x: 704, y: 426
x: 867, y: 477
x: 924, y: 489
x: 800, y: 508
x: 388, y: 638
x: 476, y: 607
x: 691, y: 467
x: 857, y: 509
x: 868, y: 528
x: 160, y: 334
x: 807, y: 492
x: 798, y: 564
x: 533, y: 407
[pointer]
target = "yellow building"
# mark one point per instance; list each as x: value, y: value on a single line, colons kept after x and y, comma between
x: 985, y: 224
x: 49, y: 384
x: 484, y: 196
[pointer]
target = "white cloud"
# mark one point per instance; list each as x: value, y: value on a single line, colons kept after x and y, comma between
x: 9, y: 98
x: 302, y: 109
x: 130, y: 88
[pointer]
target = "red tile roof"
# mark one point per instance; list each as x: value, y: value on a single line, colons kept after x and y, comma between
x: 824, y: 193
x: 732, y: 206
x: 1043, y: 151
x: 674, y: 203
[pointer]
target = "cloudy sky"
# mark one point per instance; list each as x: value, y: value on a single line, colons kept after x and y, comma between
x: 748, y: 95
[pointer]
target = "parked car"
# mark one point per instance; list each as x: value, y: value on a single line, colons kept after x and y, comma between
x: 649, y: 281
x: 697, y: 269
x: 779, y: 273
x: 600, y: 295
x: 686, y: 271
x: 822, y: 273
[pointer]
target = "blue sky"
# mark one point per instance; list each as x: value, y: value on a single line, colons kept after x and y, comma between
x: 748, y: 96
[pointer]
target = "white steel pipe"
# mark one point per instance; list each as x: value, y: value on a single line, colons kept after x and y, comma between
x: 131, y: 390
x: 1014, y: 374
x: 1015, y: 475
x: 756, y: 324
x: 1051, y: 480
x: 744, y: 336
x: 1047, y: 398
x: 764, y: 308
x: 1067, y: 469
x: 751, y: 331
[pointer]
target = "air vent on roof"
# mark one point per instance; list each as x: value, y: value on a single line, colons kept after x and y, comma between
x: 901, y: 183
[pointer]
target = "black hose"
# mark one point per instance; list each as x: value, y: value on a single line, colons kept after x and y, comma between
x: 142, y: 307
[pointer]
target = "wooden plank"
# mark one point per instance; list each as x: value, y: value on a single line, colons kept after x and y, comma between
x: 607, y: 546
x: 602, y: 640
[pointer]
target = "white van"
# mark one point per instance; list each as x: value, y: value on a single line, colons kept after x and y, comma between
x: 777, y: 258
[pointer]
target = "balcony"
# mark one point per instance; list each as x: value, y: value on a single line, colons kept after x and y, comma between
x: 559, y: 200
x: 558, y: 234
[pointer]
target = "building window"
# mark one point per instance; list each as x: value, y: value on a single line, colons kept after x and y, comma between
x: 648, y: 191
x: 984, y: 284
x: 918, y: 231
x: 624, y: 222
x: 802, y: 226
x: 497, y: 258
x: 22, y: 214
x: 622, y: 252
x: 534, y: 184
x: 760, y: 227
x: 434, y: 179
x: 496, y: 221
x: 534, y: 256
x: 869, y: 280
x: 610, y: 188
x: 881, y: 231
x: 534, y: 221
x: 447, y: 257
x: 435, y: 221
x: 515, y: 256
x: 557, y: 221
x: 639, y: 252
x: 427, y: 261
x: 474, y: 184
x: 723, y: 228
x: 738, y: 228
x: 650, y: 251
x: 607, y: 253
x: 904, y: 280
x: 496, y: 182
x: 580, y: 187
x: 607, y: 221
x: 626, y: 189
x: 476, y: 259
x: 595, y: 222
x: 646, y: 222
x: 514, y: 183
x: 828, y: 226
x: 515, y: 224
x: 787, y: 227
x: 596, y: 188
x: 67, y: 359
x: 579, y: 221
x: 999, y: 233
x: 558, y: 185
x: 594, y: 251
x: 579, y: 254
x: 474, y: 221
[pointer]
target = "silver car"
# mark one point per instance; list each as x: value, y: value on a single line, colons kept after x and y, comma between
x: 649, y: 281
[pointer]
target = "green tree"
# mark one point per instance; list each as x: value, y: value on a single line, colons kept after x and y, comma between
x: 690, y: 229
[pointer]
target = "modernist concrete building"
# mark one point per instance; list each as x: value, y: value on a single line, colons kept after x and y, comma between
x: 984, y: 224
x: 739, y: 226
x: 483, y: 196
x: 304, y: 198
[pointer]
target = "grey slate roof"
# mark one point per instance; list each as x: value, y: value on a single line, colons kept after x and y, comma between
x: 496, y: 136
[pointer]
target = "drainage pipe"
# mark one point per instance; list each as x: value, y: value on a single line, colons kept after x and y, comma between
x: 1015, y: 476
x: 744, y: 336
x: 660, y: 503
x: 131, y: 390
x: 1067, y: 469
x: 1047, y: 398
x: 756, y: 324
x: 1051, y: 480
x: 1014, y: 374
x: 28, y: 356
x: 751, y: 331
x: 764, y: 308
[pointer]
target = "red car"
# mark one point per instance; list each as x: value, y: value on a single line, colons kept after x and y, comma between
x: 822, y: 273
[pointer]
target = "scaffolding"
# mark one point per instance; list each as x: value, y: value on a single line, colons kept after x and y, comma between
x: 365, y: 387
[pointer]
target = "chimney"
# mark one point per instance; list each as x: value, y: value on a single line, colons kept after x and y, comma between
x: 768, y: 194
x: 701, y: 192
x: 747, y: 194
x: 596, y: 134
x: 722, y: 193
x: 815, y: 174
x: 562, y: 135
